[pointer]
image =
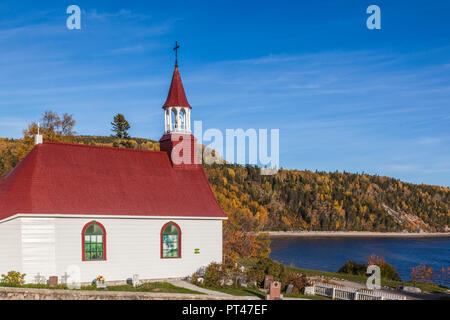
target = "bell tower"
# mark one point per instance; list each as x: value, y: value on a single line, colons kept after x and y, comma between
x: 177, y: 111
x: 178, y: 140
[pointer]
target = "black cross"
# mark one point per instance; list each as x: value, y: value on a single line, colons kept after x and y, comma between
x: 176, y: 52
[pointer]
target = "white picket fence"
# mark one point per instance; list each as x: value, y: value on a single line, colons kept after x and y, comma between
x: 346, y: 293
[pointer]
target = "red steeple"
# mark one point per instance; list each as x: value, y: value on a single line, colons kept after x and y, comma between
x: 177, y: 96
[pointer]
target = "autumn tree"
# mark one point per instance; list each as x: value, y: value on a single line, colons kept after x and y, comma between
x: 422, y: 273
x: 52, y: 127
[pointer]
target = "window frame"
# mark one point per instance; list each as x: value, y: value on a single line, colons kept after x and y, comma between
x: 179, y: 240
x: 83, y: 241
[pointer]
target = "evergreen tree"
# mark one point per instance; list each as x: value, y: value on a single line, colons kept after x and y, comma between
x: 120, y: 126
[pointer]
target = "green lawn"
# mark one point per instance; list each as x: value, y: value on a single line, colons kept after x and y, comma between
x: 424, y: 286
x: 146, y: 287
x: 239, y: 291
x: 299, y: 295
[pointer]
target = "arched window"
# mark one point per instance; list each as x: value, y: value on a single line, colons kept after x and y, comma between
x: 94, y: 241
x: 170, y: 241
x: 174, y: 123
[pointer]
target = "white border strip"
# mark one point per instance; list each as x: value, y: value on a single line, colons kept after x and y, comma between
x: 100, y: 216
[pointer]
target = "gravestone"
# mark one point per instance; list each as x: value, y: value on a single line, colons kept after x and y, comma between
x: 39, y: 279
x: 410, y: 289
x: 229, y: 282
x: 289, y: 289
x: 268, y: 279
x: 242, y: 282
x: 100, y: 284
x: 309, y: 291
x: 136, y: 282
x: 274, y: 291
x: 53, y: 281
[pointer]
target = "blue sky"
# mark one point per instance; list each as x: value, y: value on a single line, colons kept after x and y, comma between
x: 344, y: 97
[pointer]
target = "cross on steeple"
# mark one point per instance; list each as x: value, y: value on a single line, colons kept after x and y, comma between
x: 176, y: 52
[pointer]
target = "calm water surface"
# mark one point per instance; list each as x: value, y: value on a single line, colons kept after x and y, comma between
x: 329, y: 254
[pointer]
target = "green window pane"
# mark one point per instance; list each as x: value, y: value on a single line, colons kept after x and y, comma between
x: 93, y: 242
x: 170, y: 241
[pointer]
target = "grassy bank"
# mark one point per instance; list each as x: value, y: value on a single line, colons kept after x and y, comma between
x: 239, y: 291
x: 424, y: 286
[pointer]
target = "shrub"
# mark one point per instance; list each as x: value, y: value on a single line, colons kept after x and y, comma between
x: 298, y: 280
x: 352, y: 267
x: 387, y: 270
x: 268, y: 266
x: 254, y: 274
x: 218, y: 275
x: 14, y: 278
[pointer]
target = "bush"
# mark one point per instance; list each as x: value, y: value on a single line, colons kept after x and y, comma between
x: 219, y: 275
x: 352, y: 267
x: 14, y: 278
x: 268, y: 266
x: 254, y: 275
x: 298, y: 280
x: 213, y: 274
x: 387, y: 270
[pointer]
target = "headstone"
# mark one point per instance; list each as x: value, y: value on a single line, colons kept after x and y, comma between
x: 289, y: 289
x: 410, y: 289
x: 100, y: 284
x: 53, y: 281
x: 241, y: 282
x: 39, y: 279
x: 65, y: 278
x: 136, y: 282
x: 309, y: 291
x: 268, y: 279
x: 201, y: 271
x: 275, y: 291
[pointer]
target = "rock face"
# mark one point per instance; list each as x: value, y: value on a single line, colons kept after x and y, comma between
x: 409, y: 289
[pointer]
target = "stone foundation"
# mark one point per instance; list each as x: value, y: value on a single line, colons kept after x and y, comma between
x: 48, y: 294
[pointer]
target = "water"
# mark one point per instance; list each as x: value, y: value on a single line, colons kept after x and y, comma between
x: 329, y: 254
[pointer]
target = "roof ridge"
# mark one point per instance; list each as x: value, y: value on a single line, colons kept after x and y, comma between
x: 101, y: 147
x: 34, y: 164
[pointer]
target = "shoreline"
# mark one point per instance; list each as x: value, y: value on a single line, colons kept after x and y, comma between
x: 360, y: 234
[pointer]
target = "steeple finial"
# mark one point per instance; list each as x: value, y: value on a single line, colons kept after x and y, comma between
x: 177, y: 46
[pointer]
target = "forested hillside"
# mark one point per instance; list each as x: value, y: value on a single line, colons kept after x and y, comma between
x: 305, y: 200
x: 295, y: 200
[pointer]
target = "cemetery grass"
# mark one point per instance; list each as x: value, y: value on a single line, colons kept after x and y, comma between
x: 239, y: 291
x: 424, y: 286
x: 163, y: 287
x: 302, y: 296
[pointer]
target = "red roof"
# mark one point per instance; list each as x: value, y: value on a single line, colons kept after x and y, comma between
x: 59, y: 178
x: 177, y: 96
